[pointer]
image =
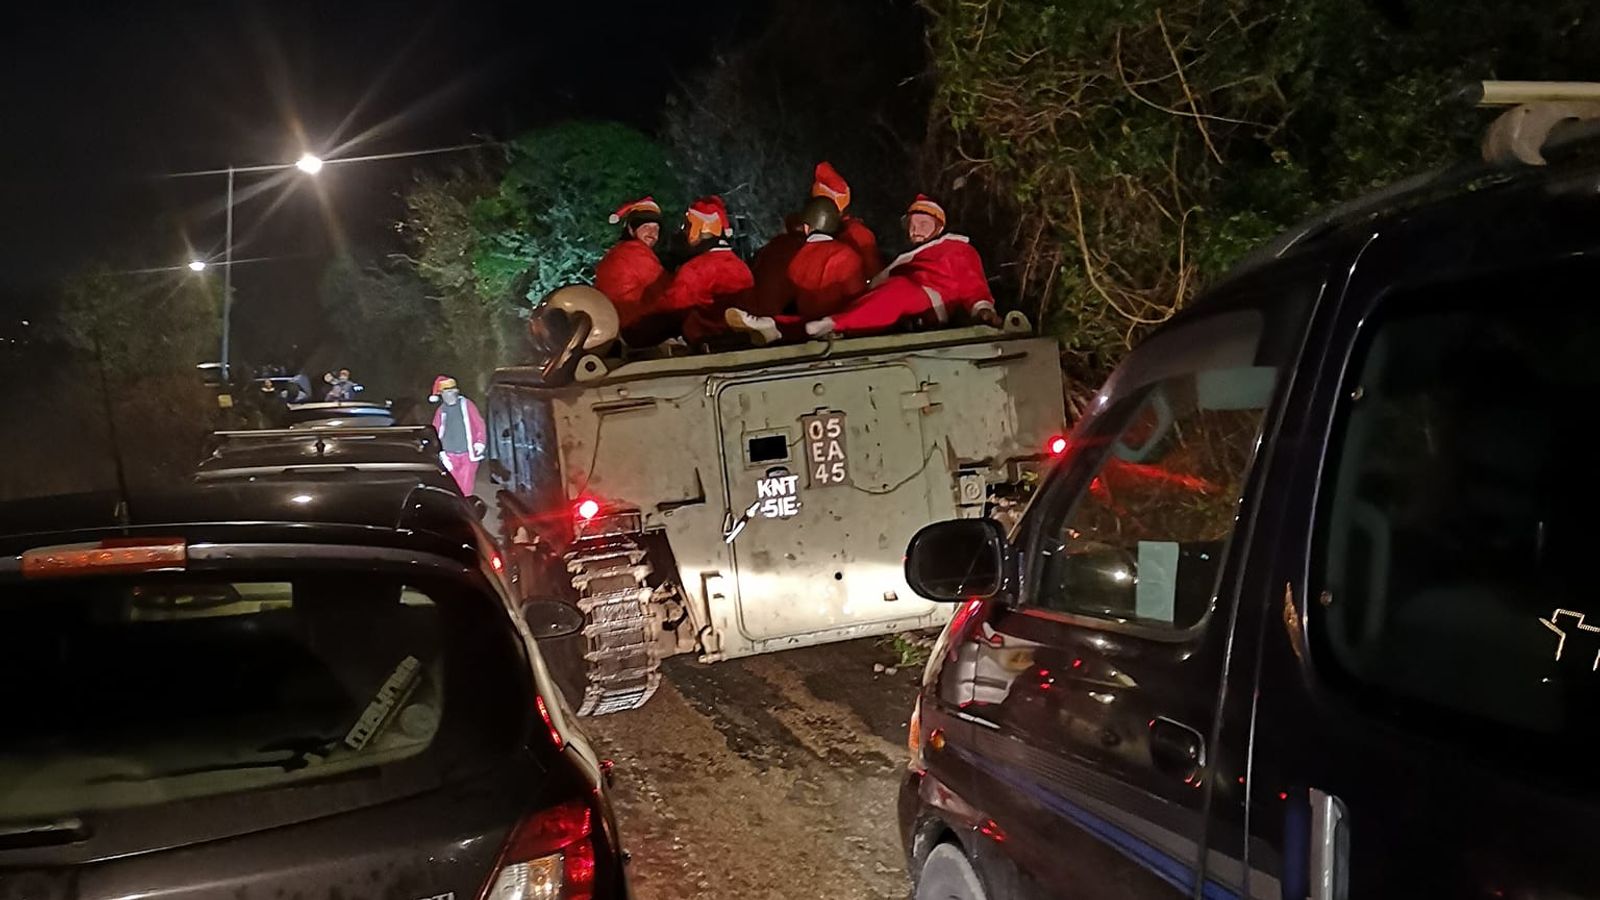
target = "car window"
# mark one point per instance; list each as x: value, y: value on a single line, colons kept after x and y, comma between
x: 1457, y: 539
x: 1137, y: 528
x: 131, y: 692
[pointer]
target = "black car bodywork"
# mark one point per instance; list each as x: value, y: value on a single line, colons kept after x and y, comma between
x: 503, y: 770
x: 1344, y: 644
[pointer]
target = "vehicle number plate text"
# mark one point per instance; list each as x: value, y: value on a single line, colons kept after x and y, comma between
x: 826, y: 461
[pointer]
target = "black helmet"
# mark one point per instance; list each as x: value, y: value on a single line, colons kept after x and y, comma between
x: 821, y: 214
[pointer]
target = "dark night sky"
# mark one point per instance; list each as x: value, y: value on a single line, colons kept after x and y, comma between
x: 101, y: 101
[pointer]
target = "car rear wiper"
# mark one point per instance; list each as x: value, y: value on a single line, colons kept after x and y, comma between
x: 314, y: 746
x: 27, y: 835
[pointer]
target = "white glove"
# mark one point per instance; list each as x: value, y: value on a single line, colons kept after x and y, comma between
x: 477, y: 453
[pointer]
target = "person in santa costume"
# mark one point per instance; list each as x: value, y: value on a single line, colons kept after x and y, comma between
x: 773, y: 292
x: 827, y: 182
x: 712, y: 281
x: 461, y: 431
x: 940, y: 276
x: 630, y: 274
x: 826, y: 274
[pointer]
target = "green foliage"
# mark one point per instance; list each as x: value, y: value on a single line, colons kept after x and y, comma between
x: 545, y: 224
x: 377, y: 309
x: 1130, y: 150
x: 490, y: 239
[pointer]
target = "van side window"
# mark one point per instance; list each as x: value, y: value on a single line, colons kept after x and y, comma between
x: 1458, y: 534
x: 1155, y: 494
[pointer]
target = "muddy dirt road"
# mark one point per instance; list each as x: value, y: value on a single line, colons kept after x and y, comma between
x: 769, y: 777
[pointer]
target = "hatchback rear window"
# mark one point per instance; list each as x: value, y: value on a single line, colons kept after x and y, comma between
x: 129, y: 692
x: 1459, y: 532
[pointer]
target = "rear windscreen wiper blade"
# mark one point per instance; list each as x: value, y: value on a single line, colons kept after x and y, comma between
x: 293, y: 761
x: 24, y: 835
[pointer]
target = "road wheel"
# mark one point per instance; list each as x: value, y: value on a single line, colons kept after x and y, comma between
x: 946, y: 875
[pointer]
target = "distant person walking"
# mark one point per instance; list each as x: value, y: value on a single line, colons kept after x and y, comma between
x: 461, y: 431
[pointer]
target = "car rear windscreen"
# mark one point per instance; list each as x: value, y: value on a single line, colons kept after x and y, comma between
x: 127, y: 692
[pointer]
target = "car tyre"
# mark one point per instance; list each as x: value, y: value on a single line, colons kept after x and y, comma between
x: 947, y: 875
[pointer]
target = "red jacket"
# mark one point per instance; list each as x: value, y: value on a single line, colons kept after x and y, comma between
x: 717, y: 276
x: 948, y: 266
x: 826, y: 274
x: 773, y: 291
x: 632, y: 276
x: 858, y: 235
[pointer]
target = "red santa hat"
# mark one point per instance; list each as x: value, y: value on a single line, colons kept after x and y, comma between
x: 928, y: 207
x: 827, y: 182
x: 440, y: 385
x: 645, y: 209
x: 708, y: 216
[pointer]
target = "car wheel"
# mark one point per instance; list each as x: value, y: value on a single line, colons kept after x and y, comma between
x: 946, y: 875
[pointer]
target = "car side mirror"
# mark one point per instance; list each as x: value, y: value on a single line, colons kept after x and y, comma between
x: 958, y: 559
x: 552, y: 618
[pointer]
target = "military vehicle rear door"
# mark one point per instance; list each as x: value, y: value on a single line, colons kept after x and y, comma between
x: 827, y: 479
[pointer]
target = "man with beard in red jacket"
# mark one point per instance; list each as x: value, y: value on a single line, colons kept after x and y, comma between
x: 827, y: 182
x: 941, y: 274
x: 630, y: 274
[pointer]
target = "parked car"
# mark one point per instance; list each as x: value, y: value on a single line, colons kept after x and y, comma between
x: 285, y: 688
x: 328, y: 454
x: 338, y: 414
x: 1304, y: 609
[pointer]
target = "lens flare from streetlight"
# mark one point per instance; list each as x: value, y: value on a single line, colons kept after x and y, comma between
x: 198, y: 265
x: 309, y: 164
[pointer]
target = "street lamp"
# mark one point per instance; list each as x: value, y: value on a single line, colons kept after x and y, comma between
x: 198, y: 265
x: 308, y: 163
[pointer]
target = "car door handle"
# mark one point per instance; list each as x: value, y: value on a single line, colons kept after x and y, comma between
x: 1175, y: 748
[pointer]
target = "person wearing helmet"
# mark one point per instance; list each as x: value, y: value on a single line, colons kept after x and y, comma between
x: 461, y: 431
x: 826, y: 274
x: 630, y: 273
x: 827, y: 182
x: 941, y: 274
x: 773, y: 293
x: 714, y: 278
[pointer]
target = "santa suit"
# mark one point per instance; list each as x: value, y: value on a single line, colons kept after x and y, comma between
x: 632, y: 277
x: 464, y: 436
x: 773, y: 291
x: 703, y: 287
x: 858, y: 236
x: 825, y: 275
x: 938, y: 276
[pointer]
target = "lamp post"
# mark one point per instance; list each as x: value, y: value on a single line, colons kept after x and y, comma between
x: 308, y: 163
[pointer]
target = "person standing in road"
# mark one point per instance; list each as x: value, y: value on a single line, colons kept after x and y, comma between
x: 941, y: 274
x: 462, y: 432
x: 827, y: 182
x: 630, y: 274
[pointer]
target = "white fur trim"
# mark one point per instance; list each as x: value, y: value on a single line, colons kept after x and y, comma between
x: 983, y: 304
x: 939, y: 310
x: 818, y: 236
x: 907, y: 256
x: 614, y: 219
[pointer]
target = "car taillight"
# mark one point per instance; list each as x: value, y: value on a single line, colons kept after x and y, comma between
x: 550, y: 856
x: 106, y: 557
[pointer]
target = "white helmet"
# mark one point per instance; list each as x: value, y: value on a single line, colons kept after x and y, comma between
x: 602, y: 313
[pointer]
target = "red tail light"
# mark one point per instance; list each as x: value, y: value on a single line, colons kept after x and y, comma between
x: 1057, y: 445
x: 586, y: 509
x: 107, y: 557
x: 549, y: 856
